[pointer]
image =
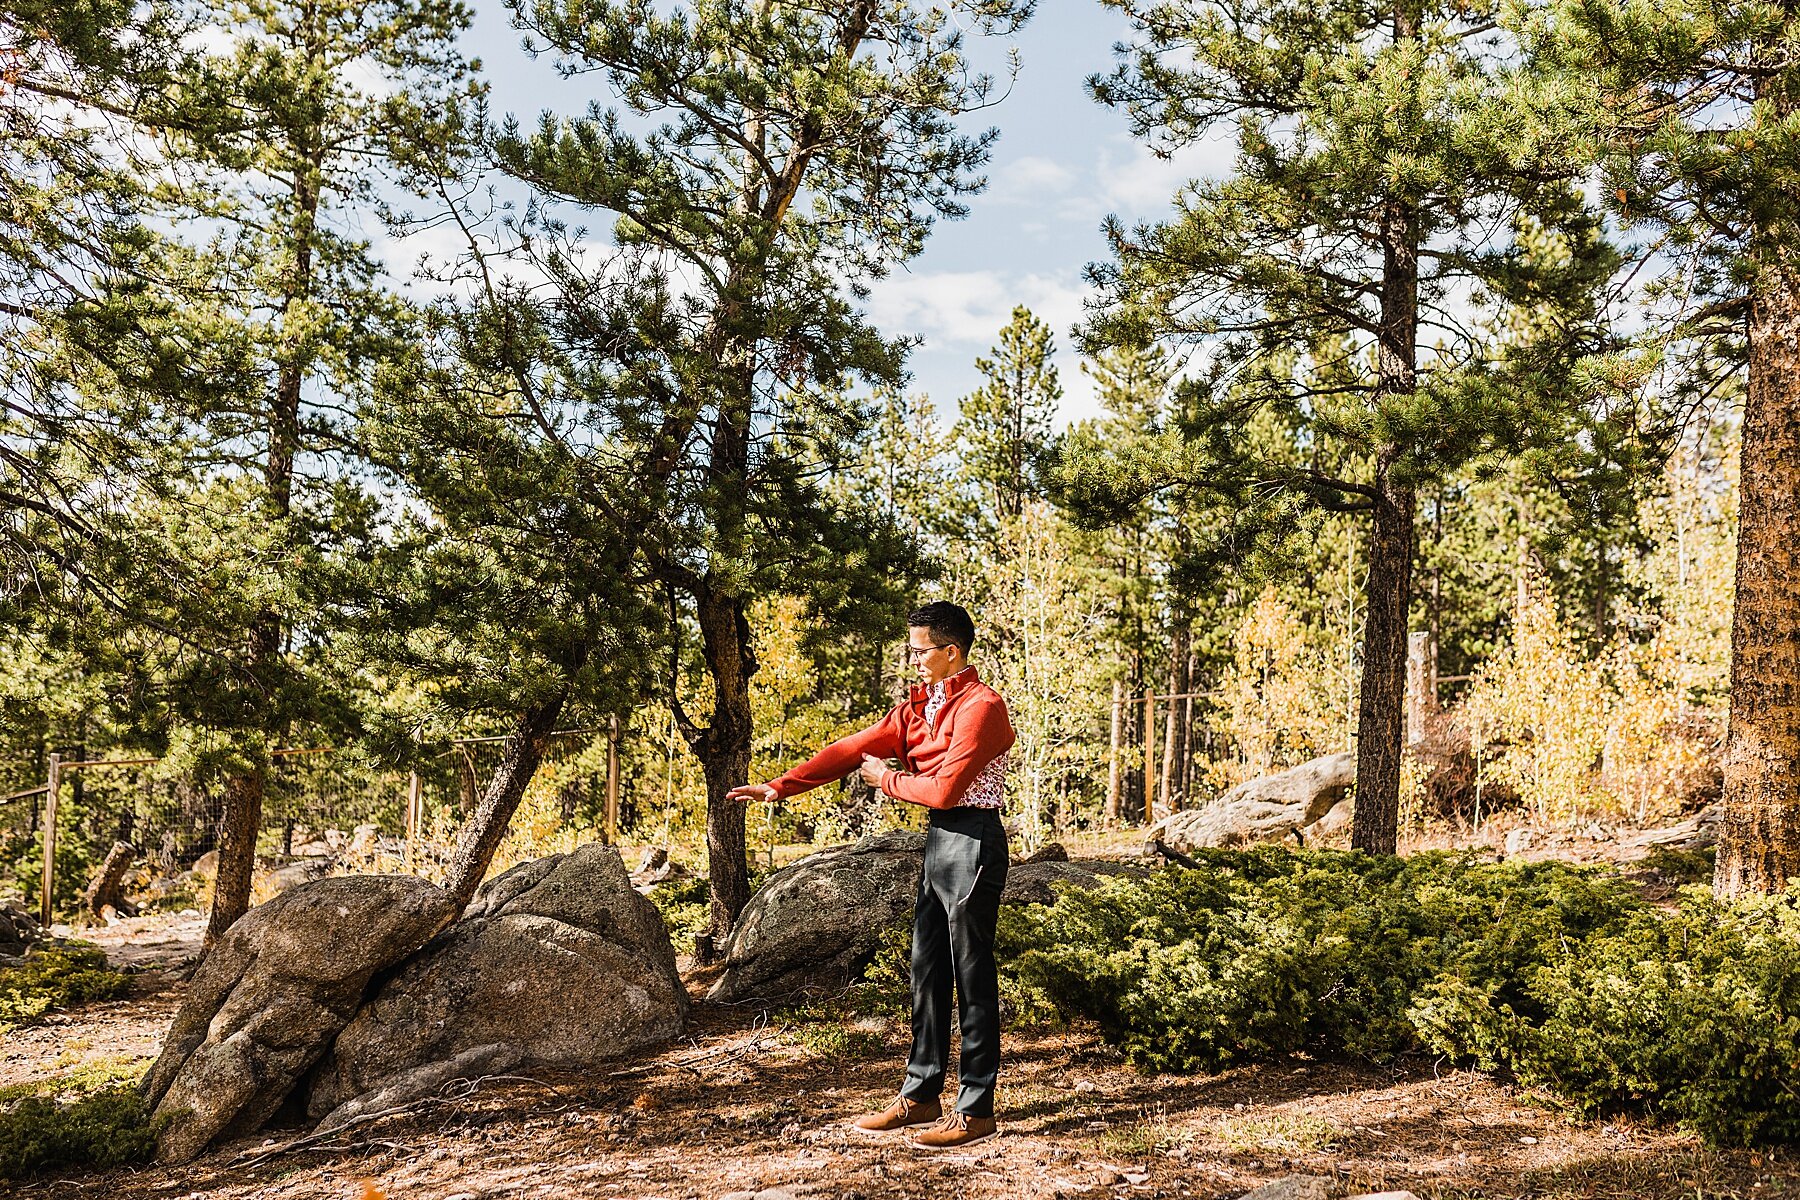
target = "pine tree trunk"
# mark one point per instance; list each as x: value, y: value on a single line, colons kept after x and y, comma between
x: 1381, y: 706
x: 481, y: 837
x: 1114, y: 782
x: 241, y: 818
x: 244, y: 793
x: 1381, y: 712
x: 1759, y: 832
x: 238, y: 825
x: 724, y: 753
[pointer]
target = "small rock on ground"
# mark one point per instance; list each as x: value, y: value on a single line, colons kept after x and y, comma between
x: 1293, y: 1187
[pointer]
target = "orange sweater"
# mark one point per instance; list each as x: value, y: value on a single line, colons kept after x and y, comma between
x: 938, y: 765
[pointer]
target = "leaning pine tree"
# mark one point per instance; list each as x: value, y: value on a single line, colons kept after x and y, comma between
x: 1384, y: 189
x: 1699, y: 111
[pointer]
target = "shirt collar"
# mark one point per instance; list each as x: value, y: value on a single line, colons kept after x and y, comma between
x: 958, y: 682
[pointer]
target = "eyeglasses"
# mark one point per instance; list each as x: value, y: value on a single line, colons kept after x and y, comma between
x: 914, y: 653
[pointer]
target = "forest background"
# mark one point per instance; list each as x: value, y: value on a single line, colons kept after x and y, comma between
x: 631, y: 456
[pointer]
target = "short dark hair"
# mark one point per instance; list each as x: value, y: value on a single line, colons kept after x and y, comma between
x: 947, y: 622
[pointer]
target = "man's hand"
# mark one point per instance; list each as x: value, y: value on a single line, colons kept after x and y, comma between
x: 753, y: 791
x: 873, y: 770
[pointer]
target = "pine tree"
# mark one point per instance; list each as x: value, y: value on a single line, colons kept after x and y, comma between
x: 82, y: 88
x: 1699, y: 112
x: 1131, y: 554
x: 1005, y: 432
x: 1378, y: 154
x: 902, y: 476
x: 767, y: 161
x: 282, y: 135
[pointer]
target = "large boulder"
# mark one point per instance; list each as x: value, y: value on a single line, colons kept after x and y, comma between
x: 1261, y: 810
x: 557, y: 964
x: 273, y: 993
x: 1335, y: 824
x: 1038, y: 882
x: 814, y: 925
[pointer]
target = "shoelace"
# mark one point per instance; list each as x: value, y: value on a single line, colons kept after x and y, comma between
x: 954, y: 1120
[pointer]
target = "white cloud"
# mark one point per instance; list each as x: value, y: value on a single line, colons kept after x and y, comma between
x: 1122, y: 177
x: 959, y: 315
x: 1028, y: 180
x: 968, y: 308
x: 1133, y: 182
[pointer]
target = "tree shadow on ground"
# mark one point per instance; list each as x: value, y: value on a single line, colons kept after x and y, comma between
x: 741, y: 1103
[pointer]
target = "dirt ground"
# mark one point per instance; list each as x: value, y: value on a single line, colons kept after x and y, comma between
x: 742, y: 1105
x: 749, y: 1102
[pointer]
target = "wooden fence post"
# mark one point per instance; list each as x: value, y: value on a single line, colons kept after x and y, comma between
x: 1112, y: 762
x: 1149, y: 755
x: 415, y: 811
x: 49, y: 835
x: 612, y: 781
x: 1421, y: 684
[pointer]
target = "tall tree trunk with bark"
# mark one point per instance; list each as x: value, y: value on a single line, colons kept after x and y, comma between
x: 243, y: 793
x: 1381, y: 712
x: 724, y: 753
x: 1759, y: 831
x: 1381, y: 705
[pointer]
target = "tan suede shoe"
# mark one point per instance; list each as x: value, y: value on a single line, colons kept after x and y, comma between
x: 955, y: 1131
x: 901, y: 1113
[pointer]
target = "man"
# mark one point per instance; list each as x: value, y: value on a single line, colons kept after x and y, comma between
x: 951, y: 737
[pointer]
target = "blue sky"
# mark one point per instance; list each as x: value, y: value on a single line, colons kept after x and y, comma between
x: 1061, y: 165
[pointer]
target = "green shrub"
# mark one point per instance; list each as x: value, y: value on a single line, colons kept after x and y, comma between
x: 84, y: 1076
x: 885, y: 988
x: 1693, y: 1015
x: 1562, y: 975
x: 686, y: 907
x: 1681, y: 866
x: 832, y: 1039
x: 107, y: 1129
x: 1264, y: 953
x: 54, y: 976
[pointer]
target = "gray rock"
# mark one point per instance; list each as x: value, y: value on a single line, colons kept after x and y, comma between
x: 1333, y: 823
x: 1261, y: 810
x: 18, y: 930
x: 1292, y: 1187
x: 813, y: 926
x: 289, y: 876
x: 1038, y: 882
x: 273, y: 993
x: 557, y: 964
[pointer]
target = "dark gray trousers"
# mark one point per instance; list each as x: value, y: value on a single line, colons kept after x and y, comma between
x: 954, y: 914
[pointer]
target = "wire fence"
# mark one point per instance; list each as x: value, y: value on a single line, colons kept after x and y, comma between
x: 325, y: 810
x: 339, y: 810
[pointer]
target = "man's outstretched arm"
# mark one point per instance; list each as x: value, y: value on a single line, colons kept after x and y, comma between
x: 881, y: 740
